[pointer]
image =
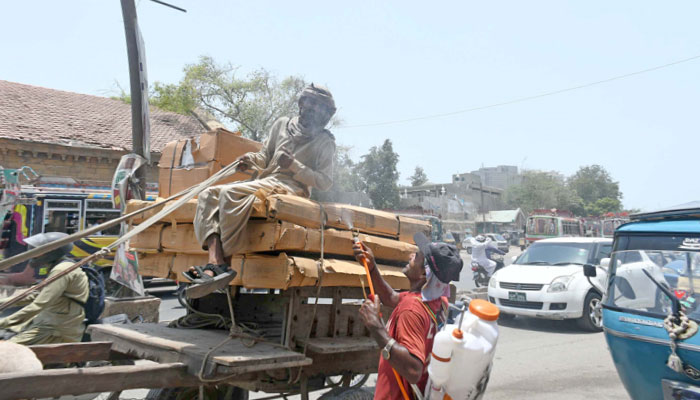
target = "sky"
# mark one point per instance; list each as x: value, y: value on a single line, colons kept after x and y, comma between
x: 399, y: 60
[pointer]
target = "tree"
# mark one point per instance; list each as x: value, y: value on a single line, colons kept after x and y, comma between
x: 419, y: 177
x: 598, y: 192
x: 252, y: 103
x: 379, y: 176
x: 541, y: 190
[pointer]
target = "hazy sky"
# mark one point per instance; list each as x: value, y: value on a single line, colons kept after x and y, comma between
x: 405, y: 59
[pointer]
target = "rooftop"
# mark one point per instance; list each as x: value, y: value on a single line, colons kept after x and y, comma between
x: 72, y: 119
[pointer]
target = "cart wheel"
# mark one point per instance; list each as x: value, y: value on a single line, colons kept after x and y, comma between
x: 349, y: 393
x: 210, y: 393
x: 355, y: 381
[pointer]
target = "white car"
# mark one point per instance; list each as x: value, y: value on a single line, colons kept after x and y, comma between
x: 547, y: 281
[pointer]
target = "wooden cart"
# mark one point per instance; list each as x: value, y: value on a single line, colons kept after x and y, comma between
x: 302, y: 344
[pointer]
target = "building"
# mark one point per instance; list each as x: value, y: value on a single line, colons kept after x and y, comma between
x: 457, y: 203
x: 502, y: 176
x: 74, y: 139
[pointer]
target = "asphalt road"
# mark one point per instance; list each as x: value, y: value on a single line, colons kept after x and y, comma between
x: 535, y: 359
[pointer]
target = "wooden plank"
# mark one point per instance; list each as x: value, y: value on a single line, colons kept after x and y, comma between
x: 328, y: 345
x: 75, y: 381
x: 274, y: 272
x: 183, y: 214
x: 265, y: 236
x: 308, y: 213
x: 163, y: 344
x: 72, y: 352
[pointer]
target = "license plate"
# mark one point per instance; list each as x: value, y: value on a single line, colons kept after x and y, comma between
x: 516, y: 296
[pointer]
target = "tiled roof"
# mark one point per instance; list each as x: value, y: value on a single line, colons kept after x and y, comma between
x: 53, y: 116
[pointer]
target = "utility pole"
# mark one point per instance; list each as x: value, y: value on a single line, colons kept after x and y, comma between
x: 483, y: 205
x: 140, y: 121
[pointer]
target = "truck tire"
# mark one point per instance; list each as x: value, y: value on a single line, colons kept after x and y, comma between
x: 210, y: 393
x: 349, y: 393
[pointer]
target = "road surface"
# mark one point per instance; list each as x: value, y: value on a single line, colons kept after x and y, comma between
x: 535, y: 359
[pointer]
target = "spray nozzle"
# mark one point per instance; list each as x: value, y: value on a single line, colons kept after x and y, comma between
x: 355, y: 235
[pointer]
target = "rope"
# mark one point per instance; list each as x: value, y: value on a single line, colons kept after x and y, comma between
x: 319, y: 286
x: 186, y: 195
x: 675, y: 332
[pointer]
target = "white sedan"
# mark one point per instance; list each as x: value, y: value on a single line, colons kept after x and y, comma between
x: 547, y: 281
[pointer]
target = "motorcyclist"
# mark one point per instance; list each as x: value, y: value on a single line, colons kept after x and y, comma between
x: 482, y: 248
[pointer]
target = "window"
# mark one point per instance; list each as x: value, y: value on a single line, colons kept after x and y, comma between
x: 556, y: 254
x: 61, y: 216
x: 98, y: 212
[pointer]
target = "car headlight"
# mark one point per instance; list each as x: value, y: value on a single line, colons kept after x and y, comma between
x: 560, y: 284
x: 493, y: 282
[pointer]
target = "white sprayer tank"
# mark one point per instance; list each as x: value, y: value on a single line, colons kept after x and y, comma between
x: 462, y: 355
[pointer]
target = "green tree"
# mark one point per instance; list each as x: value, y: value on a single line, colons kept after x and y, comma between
x: 598, y: 192
x: 419, y: 177
x: 252, y: 102
x: 541, y: 190
x: 380, y: 176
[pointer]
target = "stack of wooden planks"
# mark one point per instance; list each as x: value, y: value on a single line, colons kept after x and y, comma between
x: 284, y: 243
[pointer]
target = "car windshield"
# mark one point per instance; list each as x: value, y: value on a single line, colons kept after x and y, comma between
x: 556, y: 254
x: 499, y: 237
x: 631, y: 287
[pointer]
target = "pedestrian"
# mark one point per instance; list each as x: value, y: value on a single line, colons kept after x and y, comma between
x: 55, y: 314
x: 296, y: 157
x: 407, y: 340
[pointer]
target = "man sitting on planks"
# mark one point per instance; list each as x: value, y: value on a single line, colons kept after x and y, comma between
x: 407, y: 340
x: 297, y: 156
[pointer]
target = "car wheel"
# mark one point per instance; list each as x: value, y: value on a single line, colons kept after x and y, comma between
x: 592, y: 318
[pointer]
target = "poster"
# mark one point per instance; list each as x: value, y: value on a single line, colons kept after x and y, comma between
x: 125, y: 270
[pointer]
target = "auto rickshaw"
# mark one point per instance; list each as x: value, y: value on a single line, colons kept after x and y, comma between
x: 651, y: 306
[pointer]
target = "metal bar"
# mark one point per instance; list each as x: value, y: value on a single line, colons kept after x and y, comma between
x: 169, y: 5
x: 135, y: 71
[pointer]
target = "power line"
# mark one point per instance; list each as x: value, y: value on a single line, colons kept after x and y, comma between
x: 522, y: 99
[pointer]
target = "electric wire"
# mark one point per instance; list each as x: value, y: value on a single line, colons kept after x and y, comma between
x: 522, y: 99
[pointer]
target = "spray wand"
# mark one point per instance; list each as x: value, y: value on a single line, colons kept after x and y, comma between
x: 356, y: 239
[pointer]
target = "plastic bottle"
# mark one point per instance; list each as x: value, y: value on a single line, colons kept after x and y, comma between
x: 462, y: 354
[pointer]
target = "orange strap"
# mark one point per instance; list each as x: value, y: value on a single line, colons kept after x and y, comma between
x: 403, y: 389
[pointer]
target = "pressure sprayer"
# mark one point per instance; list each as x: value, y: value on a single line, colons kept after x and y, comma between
x: 462, y: 353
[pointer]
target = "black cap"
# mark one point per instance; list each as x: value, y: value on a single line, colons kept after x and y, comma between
x: 442, y: 258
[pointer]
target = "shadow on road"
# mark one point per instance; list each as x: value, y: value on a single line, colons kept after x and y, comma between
x: 543, y: 325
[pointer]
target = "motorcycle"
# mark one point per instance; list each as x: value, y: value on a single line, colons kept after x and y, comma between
x: 481, y: 276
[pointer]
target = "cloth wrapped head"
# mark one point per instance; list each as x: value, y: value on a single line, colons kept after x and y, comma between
x: 316, y: 107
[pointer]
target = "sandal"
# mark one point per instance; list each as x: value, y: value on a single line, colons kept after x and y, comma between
x: 204, y: 284
x: 198, y: 275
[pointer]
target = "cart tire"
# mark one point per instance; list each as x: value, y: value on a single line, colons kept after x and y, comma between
x: 356, y: 381
x: 211, y: 393
x: 349, y: 393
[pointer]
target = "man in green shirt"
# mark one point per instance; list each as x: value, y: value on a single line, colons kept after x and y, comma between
x: 54, y: 314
